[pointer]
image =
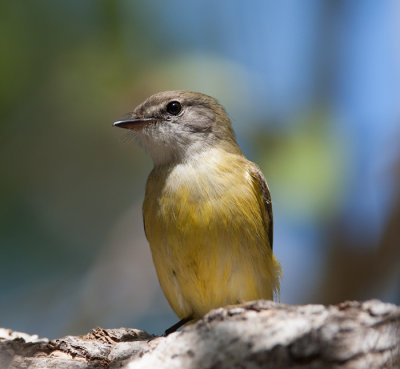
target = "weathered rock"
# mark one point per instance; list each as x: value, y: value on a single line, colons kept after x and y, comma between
x: 260, y: 334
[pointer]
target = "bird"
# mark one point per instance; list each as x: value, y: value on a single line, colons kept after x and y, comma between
x: 207, y: 210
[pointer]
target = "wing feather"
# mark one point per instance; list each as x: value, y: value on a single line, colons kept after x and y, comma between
x: 265, y: 199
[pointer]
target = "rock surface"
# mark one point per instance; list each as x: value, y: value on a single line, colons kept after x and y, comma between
x: 260, y: 334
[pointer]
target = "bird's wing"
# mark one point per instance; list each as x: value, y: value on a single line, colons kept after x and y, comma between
x: 144, y: 226
x: 261, y: 188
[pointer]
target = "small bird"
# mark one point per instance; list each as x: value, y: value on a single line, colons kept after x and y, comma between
x: 207, y: 209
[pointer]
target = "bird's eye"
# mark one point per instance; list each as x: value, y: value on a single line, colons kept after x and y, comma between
x: 174, y: 107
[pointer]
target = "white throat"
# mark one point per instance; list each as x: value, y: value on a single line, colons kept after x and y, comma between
x: 180, y: 150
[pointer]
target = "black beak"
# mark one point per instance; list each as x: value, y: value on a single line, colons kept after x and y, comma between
x: 134, y: 123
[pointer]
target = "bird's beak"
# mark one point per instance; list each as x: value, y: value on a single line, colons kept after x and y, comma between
x: 134, y: 123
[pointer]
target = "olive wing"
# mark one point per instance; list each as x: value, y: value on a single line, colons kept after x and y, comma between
x: 261, y: 188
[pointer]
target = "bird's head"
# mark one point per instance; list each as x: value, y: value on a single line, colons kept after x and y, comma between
x: 175, y: 125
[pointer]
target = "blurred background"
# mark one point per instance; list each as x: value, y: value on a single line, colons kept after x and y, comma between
x: 312, y: 88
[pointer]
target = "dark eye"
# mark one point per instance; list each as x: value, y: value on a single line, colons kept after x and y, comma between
x: 174, y: 107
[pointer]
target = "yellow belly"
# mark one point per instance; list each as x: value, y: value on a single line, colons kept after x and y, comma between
x: 207, y: 237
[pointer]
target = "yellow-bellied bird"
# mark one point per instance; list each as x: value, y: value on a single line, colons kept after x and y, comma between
x: 207, y: 209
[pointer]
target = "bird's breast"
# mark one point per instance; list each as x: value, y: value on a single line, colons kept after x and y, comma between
x: 212, y: 192
x: 207, y: 235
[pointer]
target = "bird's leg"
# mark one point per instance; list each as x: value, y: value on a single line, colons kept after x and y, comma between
x: 177, y: 325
